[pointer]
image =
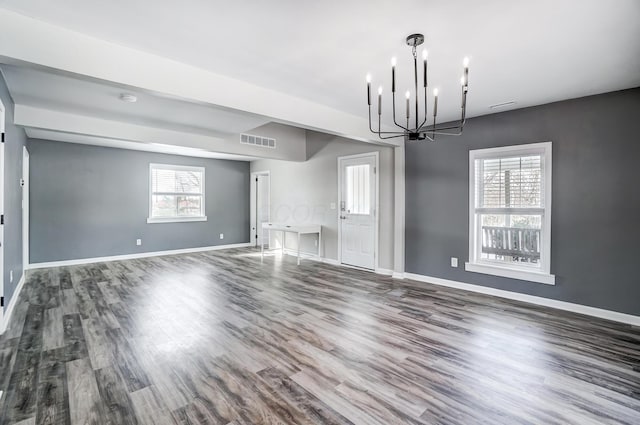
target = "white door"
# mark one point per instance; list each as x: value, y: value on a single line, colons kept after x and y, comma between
x: 2, y: 324
x: 358, y: 192
x: 260, y: 194
x: 25, y: 207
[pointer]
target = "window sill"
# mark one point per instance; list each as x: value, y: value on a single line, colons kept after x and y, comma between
x: 532, y: 276
x: 175, y: 219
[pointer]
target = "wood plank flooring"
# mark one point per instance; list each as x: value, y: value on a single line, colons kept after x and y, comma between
x: 223, y: 338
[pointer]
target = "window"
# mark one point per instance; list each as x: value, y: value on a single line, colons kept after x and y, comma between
x: 358, y: 189
x: 510, y: 212
x: 176, y: 193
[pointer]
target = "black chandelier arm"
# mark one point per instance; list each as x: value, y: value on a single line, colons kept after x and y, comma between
x: 437, y: 129
x: 391, y: 137
x: 393, y: 95
x: 379, y: 133
x: 459, y: 126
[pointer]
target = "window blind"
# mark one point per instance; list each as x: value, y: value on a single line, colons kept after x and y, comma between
x: 176, y: 181
x: 513, y: 182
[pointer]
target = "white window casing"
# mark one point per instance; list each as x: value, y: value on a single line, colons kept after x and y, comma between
x: 176, y: 193
x: 510, y: 212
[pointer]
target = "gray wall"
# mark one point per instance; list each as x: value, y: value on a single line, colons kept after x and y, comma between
x: 15, y: 139
x: 89, y: 201
x: 595, y: 207
x: 301, y: 192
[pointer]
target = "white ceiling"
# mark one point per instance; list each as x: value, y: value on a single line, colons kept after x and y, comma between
x: 44, y: 89
x: 521, y: 51
x: 530, y: 52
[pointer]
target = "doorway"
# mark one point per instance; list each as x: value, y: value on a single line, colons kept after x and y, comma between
x: 25, y: 207
x: 260, y: 205
x: 358, y: 201
x: 2, y: 134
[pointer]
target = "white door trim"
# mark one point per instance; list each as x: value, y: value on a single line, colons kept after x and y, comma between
x: 2, y: 130
x: 252, y: 205
x: 25, y: 207
x: 376, y: 174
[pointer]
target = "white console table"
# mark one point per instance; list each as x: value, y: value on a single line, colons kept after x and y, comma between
x: 292, y: 228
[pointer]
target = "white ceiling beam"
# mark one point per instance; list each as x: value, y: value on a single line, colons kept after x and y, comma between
x: 29, y: 41
x: 83, y: 139
x: 65, y: 122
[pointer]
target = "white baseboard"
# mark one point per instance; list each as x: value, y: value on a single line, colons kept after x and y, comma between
x: 532, y: 299
x: 331, y: 261
x: 134, y: 256
x: 398, y: 275
x: 12, y: 304
x: 309, y: 256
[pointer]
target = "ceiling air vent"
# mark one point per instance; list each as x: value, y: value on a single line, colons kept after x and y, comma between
x: 502, y: 105
x: 250, y: 139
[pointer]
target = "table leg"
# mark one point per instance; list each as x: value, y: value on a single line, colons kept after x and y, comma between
x: 298, y: 248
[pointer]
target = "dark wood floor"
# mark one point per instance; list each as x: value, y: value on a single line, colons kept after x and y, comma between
x: 221, y: 338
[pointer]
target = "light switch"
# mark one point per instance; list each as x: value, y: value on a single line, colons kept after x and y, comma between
x: 332, y: 206
x: 454, y: 262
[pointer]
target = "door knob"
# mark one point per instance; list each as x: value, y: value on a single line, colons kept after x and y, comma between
x: 343, y: 217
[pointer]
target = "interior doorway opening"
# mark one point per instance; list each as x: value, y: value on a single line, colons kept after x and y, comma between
x: 260, y: 205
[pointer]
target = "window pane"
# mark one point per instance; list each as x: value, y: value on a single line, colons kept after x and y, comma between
x: 514, y: 182
x: 189, y: 206
x: 514, y: 239
x: 188, y: 182
x: 358, y: 196
x: 167, y: 185
x: 163, y: 206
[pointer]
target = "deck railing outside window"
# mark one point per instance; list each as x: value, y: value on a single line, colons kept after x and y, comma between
x: 522, y: 244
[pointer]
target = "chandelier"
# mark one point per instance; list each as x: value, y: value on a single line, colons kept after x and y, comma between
x: 421, y: 130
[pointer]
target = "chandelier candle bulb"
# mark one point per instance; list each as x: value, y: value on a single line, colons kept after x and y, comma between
x: 435, y: 102
x: 408, y: 95
x: 380, y: 100
x: 393, y: 75
x: 424, y: 67
x: 369, y: 89
x: 465, y: 62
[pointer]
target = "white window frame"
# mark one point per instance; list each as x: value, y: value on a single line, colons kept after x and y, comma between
x: 475, y: 263
x: 152, y: 219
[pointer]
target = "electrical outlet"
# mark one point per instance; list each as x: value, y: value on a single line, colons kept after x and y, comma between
x: 138, y: 242
x: 221, y: 235
x: 11, y: 276
x: 454, y: 262
x: 332, y: 206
